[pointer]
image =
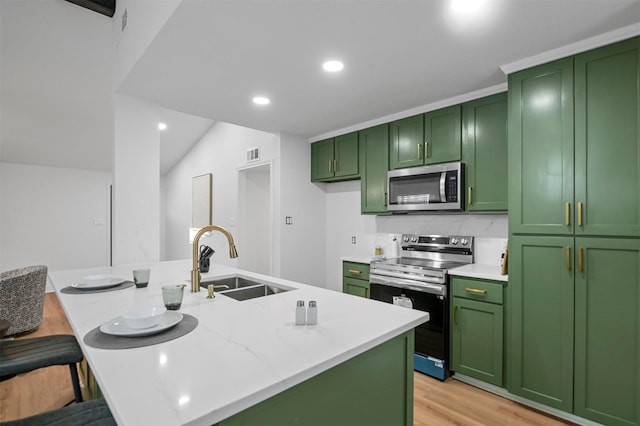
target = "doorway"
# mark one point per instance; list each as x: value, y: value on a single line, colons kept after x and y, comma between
x: 255, y: 213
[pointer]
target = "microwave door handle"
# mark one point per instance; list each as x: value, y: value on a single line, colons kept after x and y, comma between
x: 443, y: 193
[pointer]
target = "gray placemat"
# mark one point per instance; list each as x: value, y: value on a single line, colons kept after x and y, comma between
x: 74, y: 290
x: 97, y: 339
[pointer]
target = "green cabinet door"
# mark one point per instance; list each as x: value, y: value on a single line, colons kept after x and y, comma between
x: 442, y: 135
x: 607, y: 345
x: 477, y: 339
x: 607, y: 145
x: 484, y: 153
x: 346, y: 155
x: 335, y: 159
x: 322, y: 160
x: 541, y: 149
x: 540, y: 325
x: 406, y: 144
x: 355, y: 287
x: 374, y: 164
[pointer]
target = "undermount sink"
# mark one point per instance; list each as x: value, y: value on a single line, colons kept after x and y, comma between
x: 244, y: 289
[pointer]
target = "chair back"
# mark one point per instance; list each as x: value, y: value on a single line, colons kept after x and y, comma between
x: 22, y: 293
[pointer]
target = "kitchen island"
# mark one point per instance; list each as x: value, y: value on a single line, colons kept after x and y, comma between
x: 246, y: 361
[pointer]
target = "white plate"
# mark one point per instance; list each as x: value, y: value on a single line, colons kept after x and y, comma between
x: 88, y: 286
x: 118, y: 327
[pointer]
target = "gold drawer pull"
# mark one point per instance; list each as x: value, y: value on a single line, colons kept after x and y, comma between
x: 475, y: 290
x: 355, y: 271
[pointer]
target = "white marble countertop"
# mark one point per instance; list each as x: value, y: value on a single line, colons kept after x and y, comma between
x: 240, y: 353
x: 479, y: 270
x: 357, y: 259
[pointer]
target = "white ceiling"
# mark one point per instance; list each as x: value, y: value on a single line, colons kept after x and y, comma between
x: 212, y: 57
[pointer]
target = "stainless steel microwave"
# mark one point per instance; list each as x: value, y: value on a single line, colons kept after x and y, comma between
x: 426, y: 188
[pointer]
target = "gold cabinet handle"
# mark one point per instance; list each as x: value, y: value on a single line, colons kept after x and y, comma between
x: 354, y: 271
x: 455, y: 315
x: 419, y: 154
x: 579, y: 214
x: 470, y: 195
x: 475, y: 290
x: 335, y: 166
x: 426, y: 150
x: 330, y: 163
x: 568, y: 255
x: 567, y: 214
x: 580, y: 264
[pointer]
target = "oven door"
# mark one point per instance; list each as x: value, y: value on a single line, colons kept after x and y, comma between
x: 431, y: 337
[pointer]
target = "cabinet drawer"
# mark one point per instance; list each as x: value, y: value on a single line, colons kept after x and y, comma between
x: 355, y: 287
x: 469, y: 288
x: 355, y: 270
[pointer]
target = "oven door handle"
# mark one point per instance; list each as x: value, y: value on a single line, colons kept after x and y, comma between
x: 423, y: 287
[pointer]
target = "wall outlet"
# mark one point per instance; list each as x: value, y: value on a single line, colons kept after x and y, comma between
x: 353, y: 239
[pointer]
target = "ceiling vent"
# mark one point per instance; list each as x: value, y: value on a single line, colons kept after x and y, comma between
x: 253, y: 154
x: 105, y: 7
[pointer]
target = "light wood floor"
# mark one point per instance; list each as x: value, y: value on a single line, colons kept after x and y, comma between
x: 435, y: 402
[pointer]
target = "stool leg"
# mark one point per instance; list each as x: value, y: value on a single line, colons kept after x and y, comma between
x: 75, y: 381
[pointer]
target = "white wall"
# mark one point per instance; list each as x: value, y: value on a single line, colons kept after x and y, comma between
x: 221, y: 151
x: 136, y: 176
x: 52, y: 216
x: 143, y: 24
x: 344, y: 221
x: 302, y: 248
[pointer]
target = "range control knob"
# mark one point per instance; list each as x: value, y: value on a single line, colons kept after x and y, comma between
x: 464, y: 241
x: 414, y: 239
x: 454, y: 241
x: 406, y: 239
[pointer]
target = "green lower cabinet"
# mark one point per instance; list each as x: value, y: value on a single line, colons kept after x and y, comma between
x: 355, y: 278
x: 374, y: 164
x: 607, y: 336
x: 574, y: 325
x: 541, y: 320
x: 477, y: 329
x: 373, y: 388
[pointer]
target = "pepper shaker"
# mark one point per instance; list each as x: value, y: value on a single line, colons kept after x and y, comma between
x: 312, y: 313
x: 300, y: 313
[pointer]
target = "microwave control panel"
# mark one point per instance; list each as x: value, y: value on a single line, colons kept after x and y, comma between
x: 452, y: 187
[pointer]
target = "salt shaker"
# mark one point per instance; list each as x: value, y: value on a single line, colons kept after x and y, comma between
x: 312, y: 313
x: 300, y: 313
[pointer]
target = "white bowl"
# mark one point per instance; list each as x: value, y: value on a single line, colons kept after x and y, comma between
x: 96, y: 280
x: 144, y: 316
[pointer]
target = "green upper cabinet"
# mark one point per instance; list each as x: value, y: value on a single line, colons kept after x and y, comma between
x: 541, y: 324
x: 406, y: 143
x: 374, y: 164
x: 442, y: 135
x: 607, y: 146
x: 607, y: 334
x: 434, y: 137
x: 335, y: 159
x: 484, y: 153
x: 541, y: 149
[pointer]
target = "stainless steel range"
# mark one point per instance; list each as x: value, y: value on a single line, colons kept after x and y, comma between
x: 419, y: 280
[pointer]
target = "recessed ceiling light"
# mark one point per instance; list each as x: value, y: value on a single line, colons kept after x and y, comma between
x: 333, y: 66
x: 162, y: 126
x: 261, y: 100
x: 467, y: 6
